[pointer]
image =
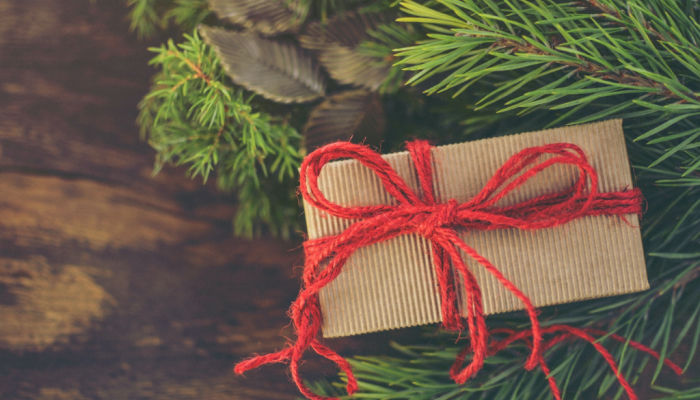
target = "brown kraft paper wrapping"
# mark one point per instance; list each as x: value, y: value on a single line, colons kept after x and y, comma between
x: 393, y: 285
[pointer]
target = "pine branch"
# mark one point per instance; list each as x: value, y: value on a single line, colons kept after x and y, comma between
x: 144, y: 17
x: 149, y: 16
x: 588, y: 68
x: 639, y: 65
x: 420, y: 371
x: 192, y: 116
x: 195, y: 116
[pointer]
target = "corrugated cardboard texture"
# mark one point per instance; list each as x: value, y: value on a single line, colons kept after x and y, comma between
x: 392, y: 284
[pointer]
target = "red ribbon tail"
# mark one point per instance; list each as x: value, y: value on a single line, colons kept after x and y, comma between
x: 338, y: 360
x: 566, y: 331
x: 638, y: 346
x: 288, y: 355
x: 550, y: 379
x: 257, y: 361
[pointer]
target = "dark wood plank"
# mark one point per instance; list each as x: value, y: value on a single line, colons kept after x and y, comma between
x: 115, y: 284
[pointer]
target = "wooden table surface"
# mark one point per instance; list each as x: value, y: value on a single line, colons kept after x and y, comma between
x: 115, y: 284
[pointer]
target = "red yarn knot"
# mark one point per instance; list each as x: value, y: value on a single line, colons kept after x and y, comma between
x: 421, y: 213
x: 439, y: 216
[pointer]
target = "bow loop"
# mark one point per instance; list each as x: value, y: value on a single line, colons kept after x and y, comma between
x: 313, y: 164
x: 528, y: 163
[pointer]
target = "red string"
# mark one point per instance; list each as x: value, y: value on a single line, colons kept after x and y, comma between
x: 424, y: 215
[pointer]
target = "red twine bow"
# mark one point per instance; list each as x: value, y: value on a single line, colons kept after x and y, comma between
x: 421, y: 214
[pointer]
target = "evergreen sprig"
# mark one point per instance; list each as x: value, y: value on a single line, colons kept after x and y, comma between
x: 196, y: 116
x: 586, y: 61
x: 192, y: 116
x: 149, y: 16
x: 380, y: 47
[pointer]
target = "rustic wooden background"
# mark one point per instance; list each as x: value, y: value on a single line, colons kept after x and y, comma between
x: 115, y: 284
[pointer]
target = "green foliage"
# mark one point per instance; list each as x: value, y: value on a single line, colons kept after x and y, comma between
x: 149, y: 16
x: 144, y: 17
x: 324, y: 9
x: 187, y: 14
x: 635, y: 60
x: 193, y: 117
x: 380, y: 47
x: 196, y: 113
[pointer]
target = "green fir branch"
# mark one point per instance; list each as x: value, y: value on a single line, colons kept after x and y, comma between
x: 585, y: 61
x: 193, y: 117
x: 150, y: 16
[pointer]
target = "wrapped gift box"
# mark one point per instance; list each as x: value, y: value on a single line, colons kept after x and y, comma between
x: 393, y: 285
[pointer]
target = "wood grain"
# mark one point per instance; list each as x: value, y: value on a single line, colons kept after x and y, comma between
x: 115, y: 284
